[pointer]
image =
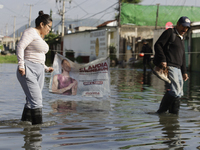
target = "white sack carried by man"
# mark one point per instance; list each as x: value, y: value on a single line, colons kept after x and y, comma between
x: 161, y: 74
x: 90, y: 80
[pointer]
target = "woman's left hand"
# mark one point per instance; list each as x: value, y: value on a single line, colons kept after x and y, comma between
x: 50, y: 69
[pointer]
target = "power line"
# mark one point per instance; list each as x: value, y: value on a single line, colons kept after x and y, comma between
x: 57, y: 25
x: 99, y: 12
x: 80, y: 7
x: 41, y: 2
x: 37, y: 2
x: 102, y: 17
x: 80, y: 3
x: 95, y: 14
x: 10, y: 10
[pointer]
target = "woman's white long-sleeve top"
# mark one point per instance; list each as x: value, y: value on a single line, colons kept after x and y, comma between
x: 31, y: 47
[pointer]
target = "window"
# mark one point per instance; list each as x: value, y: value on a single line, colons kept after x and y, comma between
x: 111, y: 35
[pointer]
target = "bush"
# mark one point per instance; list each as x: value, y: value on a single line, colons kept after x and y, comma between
x: 8, y: 59
x: 113, y: 57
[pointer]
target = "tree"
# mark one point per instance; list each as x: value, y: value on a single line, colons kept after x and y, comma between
x: 52, y: 40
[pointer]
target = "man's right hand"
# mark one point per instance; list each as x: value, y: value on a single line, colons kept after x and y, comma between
x: 21, y: 71
x: 163, y: 64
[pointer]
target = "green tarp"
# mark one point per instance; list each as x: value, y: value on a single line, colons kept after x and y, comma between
x: 145, y: 15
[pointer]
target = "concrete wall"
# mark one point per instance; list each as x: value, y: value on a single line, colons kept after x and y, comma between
x: 79, y: 43
x: 126, y: 40
x: 141, y: 32
x: 131, y: 36
x: 8, y: 43
x: 157, y: 34
x: 84, y: 43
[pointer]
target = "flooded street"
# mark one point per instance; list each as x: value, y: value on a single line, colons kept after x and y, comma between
x: 126, y: 120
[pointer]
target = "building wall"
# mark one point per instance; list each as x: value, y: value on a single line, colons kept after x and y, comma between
x: 195, y: 55
x: 78, y: 42
x: 157, y: 34
x: 130, y: 37
x: 126, y: 40
x: 7, y: 42
x: 84, y: 43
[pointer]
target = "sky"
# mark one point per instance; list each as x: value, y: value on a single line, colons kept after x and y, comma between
x: 77, y: 9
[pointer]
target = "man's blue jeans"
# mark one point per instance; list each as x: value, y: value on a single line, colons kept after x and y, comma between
x: 176, y: 86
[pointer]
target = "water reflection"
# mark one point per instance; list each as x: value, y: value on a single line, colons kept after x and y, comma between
x: 80, y: 118
x: 127, y: 81
x: 192, y: 91
x: 146, y: 80
x: 171, y: 131
x: 121, y: 121
x: 61, y: 106
x: 32, y: 138
x: 64, y: 108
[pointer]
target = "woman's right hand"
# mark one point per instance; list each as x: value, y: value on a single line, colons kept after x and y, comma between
x: 22, y: 71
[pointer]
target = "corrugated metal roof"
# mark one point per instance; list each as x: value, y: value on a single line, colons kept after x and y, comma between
x: 105, y: 23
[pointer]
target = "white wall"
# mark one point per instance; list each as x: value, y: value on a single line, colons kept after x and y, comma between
x: 80, y: 43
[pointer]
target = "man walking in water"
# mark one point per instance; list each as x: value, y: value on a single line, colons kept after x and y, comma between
x: 170, y: 52
x: 146, y: 49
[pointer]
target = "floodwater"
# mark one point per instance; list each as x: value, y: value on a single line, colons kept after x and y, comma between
x: 126, y: 120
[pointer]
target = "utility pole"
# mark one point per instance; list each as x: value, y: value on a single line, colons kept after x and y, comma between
x: 157, y: 15
x: 119, y: 57
x: 119, y: 14
x: 14, y: 33
x: 61, y: 12
x: 6, y: 36
x: 29, y: 22
x: 6, y: 29
x: 63, y: 19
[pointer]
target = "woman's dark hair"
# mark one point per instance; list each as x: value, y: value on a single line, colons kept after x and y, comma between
x: 45, y: 18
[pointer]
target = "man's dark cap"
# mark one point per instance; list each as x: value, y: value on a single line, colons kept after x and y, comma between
x: 144, y: 41
x: 185, y: 21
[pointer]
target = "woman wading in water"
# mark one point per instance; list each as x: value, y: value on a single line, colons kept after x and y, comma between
x: 31, y: 51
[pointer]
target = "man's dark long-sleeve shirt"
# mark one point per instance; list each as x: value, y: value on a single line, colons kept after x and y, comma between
x: 174, y: 55
x: 146, y: 49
